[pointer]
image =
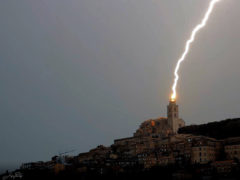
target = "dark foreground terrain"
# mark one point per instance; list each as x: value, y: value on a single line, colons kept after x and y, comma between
x: 196, y: 172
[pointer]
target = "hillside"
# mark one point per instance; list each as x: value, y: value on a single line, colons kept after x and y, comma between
x: 219, y: 130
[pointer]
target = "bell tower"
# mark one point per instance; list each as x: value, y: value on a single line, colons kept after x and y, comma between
x: 173, y: 116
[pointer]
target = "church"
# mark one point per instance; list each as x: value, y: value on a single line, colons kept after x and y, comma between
x: 153, y: 130
x: 163, y: 126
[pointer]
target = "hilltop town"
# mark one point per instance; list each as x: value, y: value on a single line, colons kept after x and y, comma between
x: 163, y: 143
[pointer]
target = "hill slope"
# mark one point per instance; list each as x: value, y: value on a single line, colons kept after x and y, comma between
x: 219, y: 130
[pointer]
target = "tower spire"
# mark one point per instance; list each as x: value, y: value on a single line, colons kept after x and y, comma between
x: 173, y: 115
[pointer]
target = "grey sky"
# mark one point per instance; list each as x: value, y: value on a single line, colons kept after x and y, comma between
x: 78, y: 73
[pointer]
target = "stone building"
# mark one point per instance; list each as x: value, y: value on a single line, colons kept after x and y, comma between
x: 166, y: 160
x: 152, y: 131
x: 203, y: 154
x: 148, y: 160
x: 173, y: 117
x: 224, y: 166
x: 204, y: 150
x: 98, y: 153
x: 181, y: 149
x: 163, y: 126
x: 232, y: 148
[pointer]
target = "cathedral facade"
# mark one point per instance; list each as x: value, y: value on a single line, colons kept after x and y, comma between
x: 153, y: 130
x: 163, y: 126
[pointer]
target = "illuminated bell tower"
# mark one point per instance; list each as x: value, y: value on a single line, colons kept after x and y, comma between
x: 172, y: 114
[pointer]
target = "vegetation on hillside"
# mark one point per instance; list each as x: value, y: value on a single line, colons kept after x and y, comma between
x: 219, y: 130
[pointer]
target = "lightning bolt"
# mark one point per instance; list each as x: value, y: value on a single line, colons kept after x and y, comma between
x: 188, y: 44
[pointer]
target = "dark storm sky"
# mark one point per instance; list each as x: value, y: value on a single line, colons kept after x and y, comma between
x: 78, y: 73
